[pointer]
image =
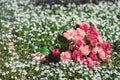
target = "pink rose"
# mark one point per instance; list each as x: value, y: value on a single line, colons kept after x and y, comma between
x: 85, y: 50
x: 75, y: 54
x: 81, y: 58
x: 107, y: 48
x: 89, y: 62
x: 94, y: 42
x: 65, y: 56
x: 79, y: 43
x: 85, y: 26
x: 95, y: 49
x: 96, y: 63
x: 91, y: 36
x: 94, y: 56
x: 93, y: 31
x: 77, y: 38
x: 100, y: 39
x: 78, y: 23
x: 101, y: 54
x: 55, y: 51
x: 69, y: 34
x: 80, y: 32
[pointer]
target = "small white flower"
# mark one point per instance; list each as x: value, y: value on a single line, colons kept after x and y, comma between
x: 37, y: 68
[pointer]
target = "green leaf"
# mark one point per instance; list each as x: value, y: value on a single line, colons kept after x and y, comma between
x: 44, y: 50
x: 63, y: 47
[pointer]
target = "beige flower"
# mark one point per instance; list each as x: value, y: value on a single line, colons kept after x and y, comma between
x: 11, y: 46
x: 12, y: 49
x: 38, y: 57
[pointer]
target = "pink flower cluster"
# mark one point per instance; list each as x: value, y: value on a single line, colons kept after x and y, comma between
x: 86, y: 45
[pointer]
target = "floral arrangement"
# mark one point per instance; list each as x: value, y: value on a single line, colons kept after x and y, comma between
x: 84, y: 45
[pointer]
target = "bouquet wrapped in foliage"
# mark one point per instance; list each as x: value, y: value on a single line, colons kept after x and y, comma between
x: 84, y: 44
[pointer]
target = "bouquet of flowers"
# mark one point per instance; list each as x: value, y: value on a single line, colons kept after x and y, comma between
x: 84, y: 45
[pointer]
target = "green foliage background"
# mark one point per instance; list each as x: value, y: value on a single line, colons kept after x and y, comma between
x: 32, y: 27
